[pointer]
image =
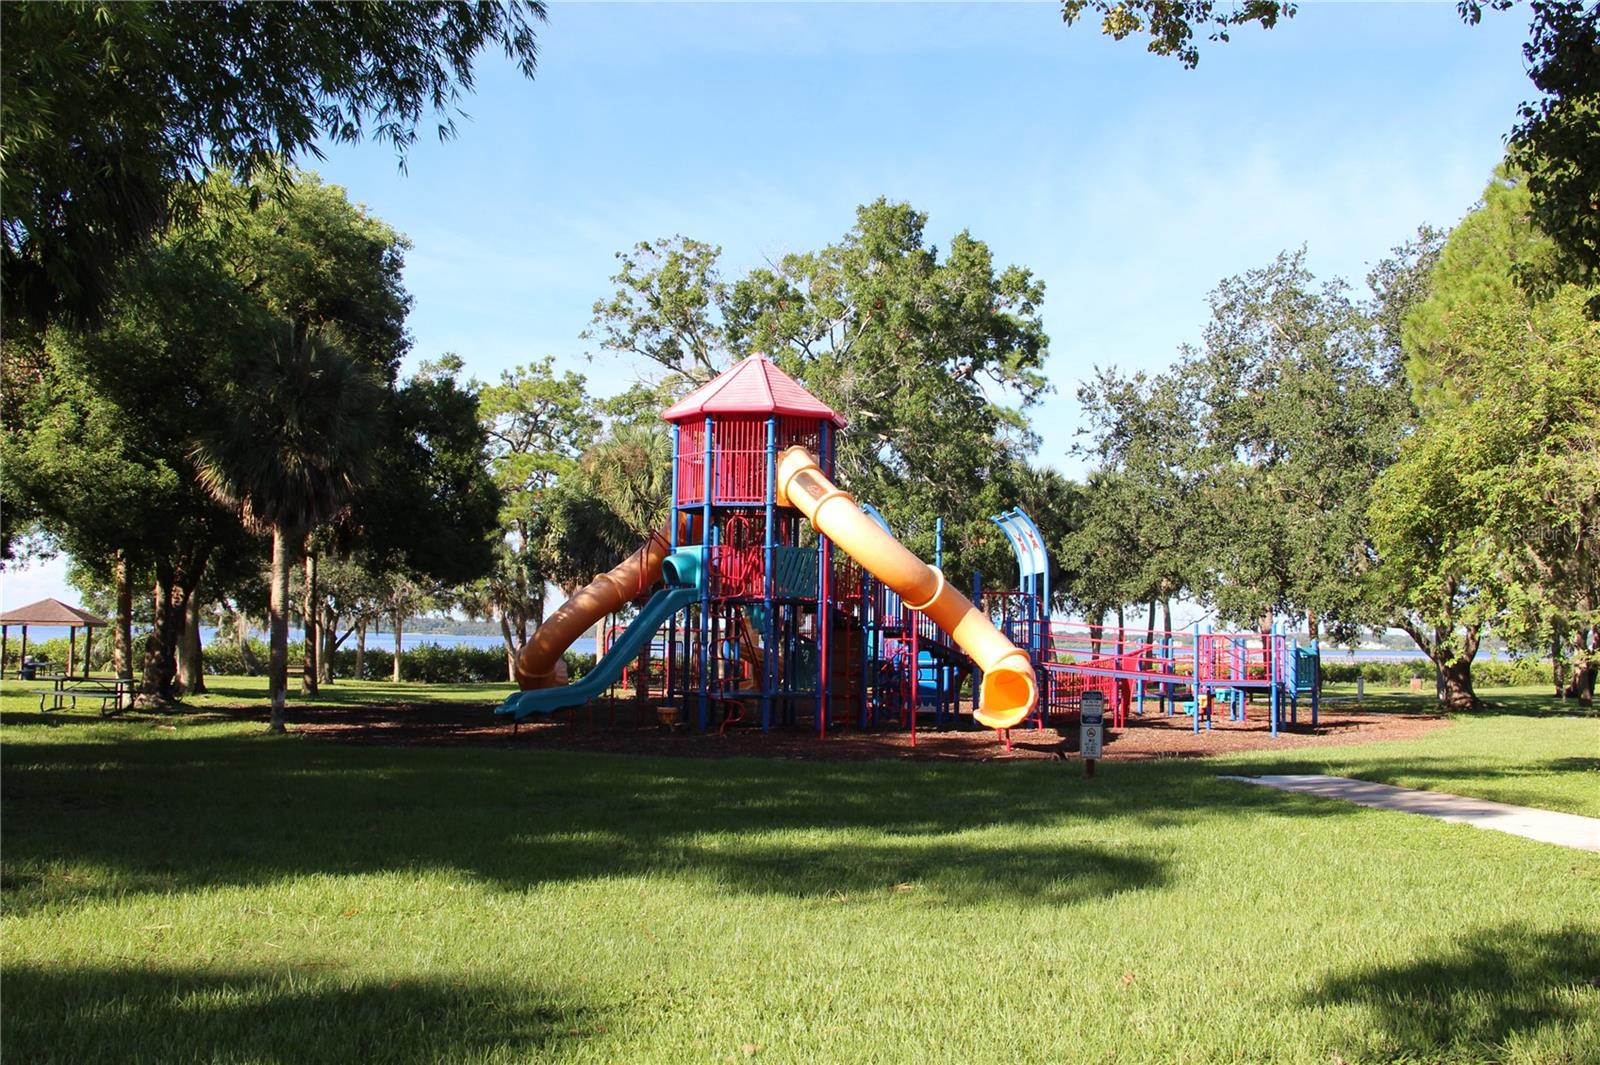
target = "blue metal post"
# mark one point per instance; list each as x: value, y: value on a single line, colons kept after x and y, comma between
x: 1316, y: 678
x: 707, y: 576
x: 977, y: 674
x: 672, y: 539
x: 865, y: 665
x: 1194, y: 681
x: 1292, y: 650
x: 1169, y: 661
x: 769, y: 656
x: 824, y: 592
x: 1273, y: 674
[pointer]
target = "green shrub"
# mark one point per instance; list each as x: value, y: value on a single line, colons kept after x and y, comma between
x: 577, y: 664
x: 431, y: 664
x: 1485, y: 672
x: 54, y: 652
x: 228, y: 658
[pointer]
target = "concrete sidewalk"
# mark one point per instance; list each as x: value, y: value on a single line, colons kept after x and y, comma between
x: 1546, y: 826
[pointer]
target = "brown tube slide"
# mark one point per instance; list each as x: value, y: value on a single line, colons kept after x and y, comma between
x: 1009, y: 688
x: 539, y: 659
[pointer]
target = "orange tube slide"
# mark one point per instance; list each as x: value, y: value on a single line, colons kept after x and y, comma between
x: 540, y: 658
x: 1009, y: 689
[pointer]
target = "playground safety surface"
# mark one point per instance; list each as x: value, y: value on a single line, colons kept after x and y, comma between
x: 627, y: 730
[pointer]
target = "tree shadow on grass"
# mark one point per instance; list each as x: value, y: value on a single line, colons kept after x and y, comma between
x: 1542, y: 705
x: 943, y: 872
x: 289, y: 1015
x: 1480, y: 996
x: 97, y: 820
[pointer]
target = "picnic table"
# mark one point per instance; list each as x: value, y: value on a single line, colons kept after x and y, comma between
x: 65, y: 691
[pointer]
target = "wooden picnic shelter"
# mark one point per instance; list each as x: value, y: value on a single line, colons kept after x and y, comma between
x: 56, y: 614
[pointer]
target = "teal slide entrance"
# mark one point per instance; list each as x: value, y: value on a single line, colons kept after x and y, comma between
x: 682, y: 573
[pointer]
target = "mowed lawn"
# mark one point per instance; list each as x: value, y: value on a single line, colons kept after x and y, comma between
x: 210, y: 893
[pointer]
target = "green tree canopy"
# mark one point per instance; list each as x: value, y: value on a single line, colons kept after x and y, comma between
x: 1241, y: 476
x: 164, y: 365
x: 1557, y: 142
x: 111, y: 114
x: 300, y: 423
x: 1491, y: 518
x: 536, y: 422
x: 933, y: 356
x: 1171, y: 24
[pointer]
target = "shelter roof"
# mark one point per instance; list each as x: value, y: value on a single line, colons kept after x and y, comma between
x: 754, y: 386
x: 51, y: 612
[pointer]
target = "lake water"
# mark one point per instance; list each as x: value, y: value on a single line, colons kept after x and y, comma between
x: 383, y: 642
x: 377, y: 642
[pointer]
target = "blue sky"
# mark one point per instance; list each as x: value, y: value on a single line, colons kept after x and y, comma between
x: 1128, y: 184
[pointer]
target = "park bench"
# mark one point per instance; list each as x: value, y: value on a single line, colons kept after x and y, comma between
x: 66, y: 692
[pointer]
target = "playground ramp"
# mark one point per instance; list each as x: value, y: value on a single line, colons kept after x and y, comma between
x: 539, y: 659
x: 682, y: 573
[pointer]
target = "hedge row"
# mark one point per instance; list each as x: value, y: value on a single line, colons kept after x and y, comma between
x: 55, y: 652
x: 432, y: 664
x: 425, y: 663
x: 1485, y: 672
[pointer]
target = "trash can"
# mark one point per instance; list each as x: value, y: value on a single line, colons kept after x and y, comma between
x: 30, y: 669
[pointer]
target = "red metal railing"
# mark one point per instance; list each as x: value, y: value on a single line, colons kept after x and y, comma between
x: 739, y: 449
x: 692, y: 462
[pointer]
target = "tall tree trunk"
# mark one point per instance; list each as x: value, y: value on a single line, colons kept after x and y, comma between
x: 247, y: 657
x: 361, y: 649
x: 1313, y: 624
x: 158, y: 688
x: 191, y: 664
x: 1452, y: 663
x: 312, y: 615
x: 1582, y: 685
x: 399, y: 627
x: 1122, y: 623
x: 122, y: 631
x: 1166, y: 613
x: 175, y: 581
x: 1455, y: 683
x: 1150, y: 621
x: 330, y: 642
x: 511, y: 648
x: 1585, y: 665
x: 283, y: 553
x: 1558, y: 661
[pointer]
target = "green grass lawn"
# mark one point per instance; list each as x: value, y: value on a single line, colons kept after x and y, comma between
x: 210, y: 893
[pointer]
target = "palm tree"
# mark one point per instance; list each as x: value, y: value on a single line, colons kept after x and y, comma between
x: 630, y: 473
x: 303, y: 422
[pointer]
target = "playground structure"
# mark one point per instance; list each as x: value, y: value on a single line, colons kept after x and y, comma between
x: 800, y: 607
x: 786, y: 603
x: 1130, y: 667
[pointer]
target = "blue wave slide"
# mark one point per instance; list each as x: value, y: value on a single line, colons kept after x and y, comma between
x: 682, y: 572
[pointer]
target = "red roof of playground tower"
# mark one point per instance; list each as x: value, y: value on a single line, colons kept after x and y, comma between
x: 754, y: 386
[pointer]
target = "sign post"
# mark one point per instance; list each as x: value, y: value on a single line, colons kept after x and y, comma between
x: 1091, y: 723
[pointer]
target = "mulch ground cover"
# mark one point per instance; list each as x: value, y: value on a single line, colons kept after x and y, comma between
x: 627, y: 729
